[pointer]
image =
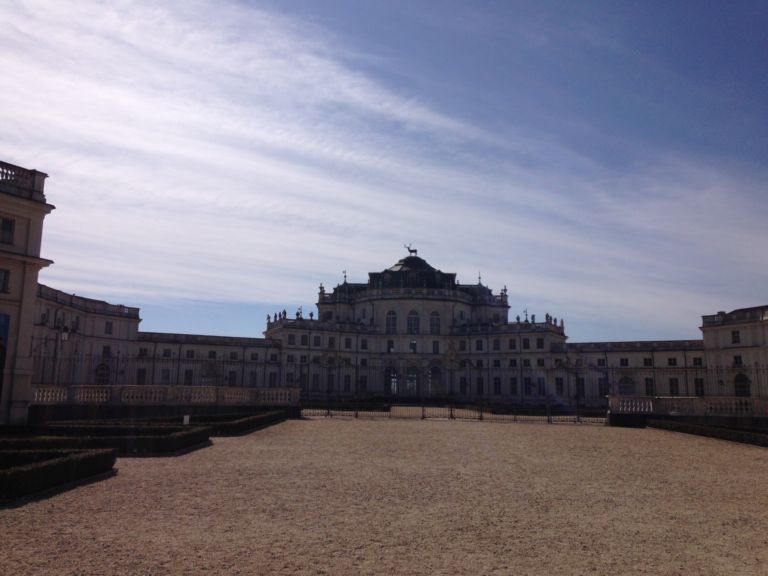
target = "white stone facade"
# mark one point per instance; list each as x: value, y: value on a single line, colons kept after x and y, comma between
x: 409, y: 331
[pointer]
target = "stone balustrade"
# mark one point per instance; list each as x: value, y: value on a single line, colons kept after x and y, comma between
x: 166, y: 395
x: 689, y: 405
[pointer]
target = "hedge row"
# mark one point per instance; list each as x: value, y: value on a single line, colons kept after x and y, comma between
x: 50, y: 468
x: 220, y: 424
x: 732, y: 434
x: 146, y: 443
x: 243, y: 425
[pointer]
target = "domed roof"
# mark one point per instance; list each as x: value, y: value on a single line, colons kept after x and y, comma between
x: 411, y: 263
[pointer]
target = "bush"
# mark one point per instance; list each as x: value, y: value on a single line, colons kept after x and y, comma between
x: 244, y: 425
x: 141, y: 441
x: 26, y: 472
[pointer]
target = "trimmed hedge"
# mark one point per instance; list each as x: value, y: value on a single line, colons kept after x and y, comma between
x: 28, y: 472
x: 143, y: 442
x: 732, y: 434
x: 243, y: 425
x: 220, y: 424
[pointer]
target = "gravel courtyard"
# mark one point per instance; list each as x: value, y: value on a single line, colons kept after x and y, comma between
x: 411, y: 497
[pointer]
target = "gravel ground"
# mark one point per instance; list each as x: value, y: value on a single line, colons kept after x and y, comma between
x: 411, y: 497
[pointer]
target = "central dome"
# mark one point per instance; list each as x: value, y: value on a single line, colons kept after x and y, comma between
x: 411, y: 263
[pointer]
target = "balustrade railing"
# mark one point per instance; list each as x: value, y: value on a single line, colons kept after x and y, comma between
x: 166, y: 395
x: 689, y: 405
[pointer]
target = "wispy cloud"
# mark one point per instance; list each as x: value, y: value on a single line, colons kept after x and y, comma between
x: 213, y: 151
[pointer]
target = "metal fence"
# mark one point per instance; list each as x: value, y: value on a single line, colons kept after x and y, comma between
x: 424, y: 412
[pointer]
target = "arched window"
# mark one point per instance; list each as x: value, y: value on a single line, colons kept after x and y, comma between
x: 742, y: 386
x: 391, y: 322
x: 626, y: 386
x: 434, y: 384
x: 412, y: 381
x: 391, y: 378
x: 413, y: 322
x: 434, y: 323
x: 102, y: 374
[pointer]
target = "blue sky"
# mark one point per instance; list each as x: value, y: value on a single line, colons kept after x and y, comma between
x: 215, y: 161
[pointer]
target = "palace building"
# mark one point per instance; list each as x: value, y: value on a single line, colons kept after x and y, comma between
x: 410, y: 331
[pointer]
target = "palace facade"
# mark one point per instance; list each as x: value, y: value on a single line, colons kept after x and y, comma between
x: 409, y: 331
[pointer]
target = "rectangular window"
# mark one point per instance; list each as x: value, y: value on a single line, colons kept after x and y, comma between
x: 190, y: 354
x: 698, y: 385
x: 5, y: 279
x: 364, y: 362
x: 106, y: 351
x: 497, y: 386
x: 497, y: 363
x: 540, y: 362
x: 539, y: 343
x: 329, y: 383
x: 108, y: 327
x: 363, y: 383
x: 671, y: 361
x: 463, y: 385
x: 480, y: 386
x: 316, y: 341
x: 527, y: 387
x: 165, y: 376
x: 624, y: 362
x: 647, y: 362
x: 674, y: 387
x: 289, y: 379
x: 315, y: 382
x: 513, y: 362
x: 347, y: 343
x: 212, y: 354
x: 412, y: 346
x: 233, y: 355
x: 526, y: 343
x: 7, y: 227
x: 512, y: 344
x: 580, y: 388
x: 141, y: 376
x: 304, y: 340
x: 273, y: 357
x: 291, y: 339
x: 737, y: 361
x: 542, y: 385
x: 601, y: 362
x: 390, y: 346
x: 253, y: 378
x: 497, y: 344
x: 479, y: 363
x: 303, y: 358
x: 735, y: 337
x: 167, y: 352
x: 698, y: 361
x: 272, y: 379
x: 462, y: 346
x: 143, y: 352
x: 331, y: 342
x: 602, y: 387
x: 435, y: 346
x: 513, y: 385
x: 559, y: 386
x: 364, y: 344
x: 347, y: 383
x: 479, y: 345
x: 290, y: 358
x: 650, y: 389
x: 526, y: 363
x: 254, y: 356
